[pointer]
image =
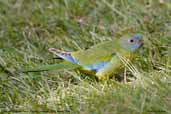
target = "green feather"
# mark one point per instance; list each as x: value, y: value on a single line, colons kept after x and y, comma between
x: 100, y: 52
x: 63, y: 65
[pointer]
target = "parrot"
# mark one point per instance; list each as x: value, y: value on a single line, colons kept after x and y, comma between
x: 102, y: 60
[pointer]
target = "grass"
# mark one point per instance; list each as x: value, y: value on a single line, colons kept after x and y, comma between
x: 29, y: 27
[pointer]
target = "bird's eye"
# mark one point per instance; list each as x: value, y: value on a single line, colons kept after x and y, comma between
x: 131, y: 40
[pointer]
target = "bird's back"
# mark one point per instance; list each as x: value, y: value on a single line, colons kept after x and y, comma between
x: 100, y: 53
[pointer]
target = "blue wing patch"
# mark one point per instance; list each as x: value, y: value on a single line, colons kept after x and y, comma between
x: 67, y: 56
x: 96, y: 67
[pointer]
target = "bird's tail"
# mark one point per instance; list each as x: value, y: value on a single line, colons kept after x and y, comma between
x: 60, y: 66
x: 63, y: 55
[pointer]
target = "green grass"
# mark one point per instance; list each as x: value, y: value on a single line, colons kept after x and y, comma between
x: 29, y: 27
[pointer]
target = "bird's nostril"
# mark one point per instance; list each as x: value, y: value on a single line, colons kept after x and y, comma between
x: 140, y: 41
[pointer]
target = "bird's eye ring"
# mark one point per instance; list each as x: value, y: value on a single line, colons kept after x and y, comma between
x: 131, y: 40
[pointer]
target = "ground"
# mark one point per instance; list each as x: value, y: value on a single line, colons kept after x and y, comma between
x: 29, y: 27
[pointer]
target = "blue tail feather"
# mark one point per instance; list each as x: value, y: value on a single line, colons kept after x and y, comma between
x: 67, y: 57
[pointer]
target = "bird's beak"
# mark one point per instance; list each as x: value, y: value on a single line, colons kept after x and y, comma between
x: 140, y: 43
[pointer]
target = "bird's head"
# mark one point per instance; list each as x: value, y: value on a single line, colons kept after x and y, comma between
x: 132, y: 43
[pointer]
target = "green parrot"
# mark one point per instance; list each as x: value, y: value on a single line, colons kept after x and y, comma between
x: 102, y: 60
